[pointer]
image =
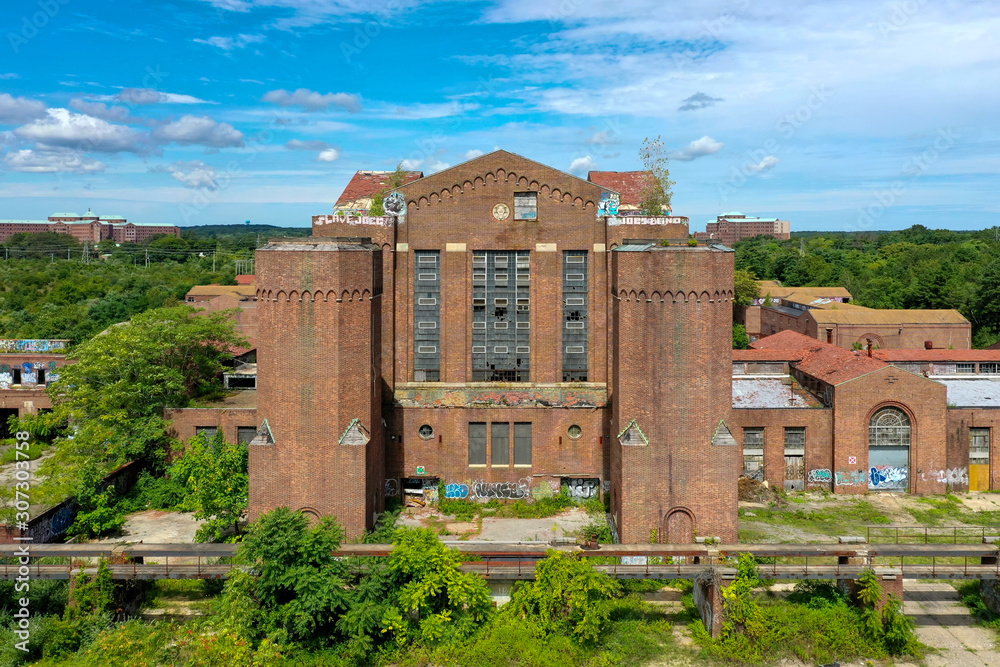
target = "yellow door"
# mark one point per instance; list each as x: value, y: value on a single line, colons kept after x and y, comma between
x: 979, y: 477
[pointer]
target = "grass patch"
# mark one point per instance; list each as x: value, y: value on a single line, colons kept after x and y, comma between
x: 972, y: 597
x: 842, y: 519
x: 35, y: 449
x: 949, y: 509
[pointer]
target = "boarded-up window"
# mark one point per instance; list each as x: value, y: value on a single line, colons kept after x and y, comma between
x: 500, y: 436
x: 525, y: 205
x: 246, y: 433
x: 207, y: 431
x: 477, y: 443
x: 522, y: 444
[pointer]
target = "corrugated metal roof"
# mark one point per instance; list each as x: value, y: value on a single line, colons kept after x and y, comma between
x: 972, y: 393
x: 887, y: 316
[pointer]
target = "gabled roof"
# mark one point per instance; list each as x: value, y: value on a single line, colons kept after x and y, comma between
x: 246, y: 279
x: 217, y: 290
x: 823, y: 361
x: 365, y: 184
x: 631, y: 185
x: 753, y: 355
x: 778, y: 291
x: 511, y: 163
x: 889, y: 317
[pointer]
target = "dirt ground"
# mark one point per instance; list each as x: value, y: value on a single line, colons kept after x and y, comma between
x: 158, y: 527
x: 562, y: 525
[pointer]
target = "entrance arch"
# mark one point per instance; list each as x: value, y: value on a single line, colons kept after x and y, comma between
x: 889, y: 450
x: 678, y: 527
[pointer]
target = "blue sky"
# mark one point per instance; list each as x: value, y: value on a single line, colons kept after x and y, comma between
x: 841, y: 115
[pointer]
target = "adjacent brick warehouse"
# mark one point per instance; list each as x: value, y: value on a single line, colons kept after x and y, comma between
x: 672, y: 383
x: 409, y: 349
x: 319, y: 317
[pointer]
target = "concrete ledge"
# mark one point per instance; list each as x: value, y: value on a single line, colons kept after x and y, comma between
x: 851, y: 539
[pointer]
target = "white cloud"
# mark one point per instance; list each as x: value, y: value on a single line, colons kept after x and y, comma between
x: 144, y: 96
x: 472, y: 154
x: 310, y: 100
x: 696, y: 149
x: 582, y: 165
x: 229, y: 43
x: 411, y: 165
x: 194, y: 174
x: 10, y: 75
x: 199, y: 130
x: 765, y: 164
x: 65, y: 129
x: 328, y: 155
x: 101, y: 110
x: 309, y: 145
x: 51, y: 161
x: 19, y: 109
x: 698, y: 101
x: 436, y: 166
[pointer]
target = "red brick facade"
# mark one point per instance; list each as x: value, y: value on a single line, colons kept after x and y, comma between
x: 336, y: 342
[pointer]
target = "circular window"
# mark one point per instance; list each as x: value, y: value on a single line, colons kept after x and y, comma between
x: 426, y: 432
x: 574, y: 431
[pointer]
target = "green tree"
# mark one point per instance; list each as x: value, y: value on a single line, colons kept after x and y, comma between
x: 568, y: 595
x: 657, y: 193
x: 300, y: 588
x: 746, y: 289
x: 216, y: 474
x: 741, y: 341
x: 392, y: 181
x: 114, y: 395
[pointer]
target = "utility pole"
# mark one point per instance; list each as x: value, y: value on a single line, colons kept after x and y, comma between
x: 147, y: 258
x: 213, y: 259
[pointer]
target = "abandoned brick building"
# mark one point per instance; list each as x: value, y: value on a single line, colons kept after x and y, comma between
x: 503, y: 332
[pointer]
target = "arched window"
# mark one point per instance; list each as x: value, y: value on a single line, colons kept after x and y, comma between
x: 889, y: 427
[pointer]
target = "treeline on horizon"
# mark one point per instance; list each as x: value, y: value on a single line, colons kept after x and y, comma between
x: 910, y: 268
x: 45, y: 295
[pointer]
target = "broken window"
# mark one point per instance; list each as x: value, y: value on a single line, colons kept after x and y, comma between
x: 525, y: 205
x: 979, y: 446
x: 427, y: 316
x: 501, y: 349
x: 575, y: 316
x: 244, y: 434
x: 207, y: 431
x: 990, y: 369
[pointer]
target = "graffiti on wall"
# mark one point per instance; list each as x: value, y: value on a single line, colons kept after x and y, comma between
x: 955, y: 476
x: 608, y: 205
x: 820, y: 475
x: 851, y: 477
x: 9, y: 345
x: 391, y: 488
x: 888, y: 477
x: 581, y: 488
x: 488, y: 490
x: 28, y: 375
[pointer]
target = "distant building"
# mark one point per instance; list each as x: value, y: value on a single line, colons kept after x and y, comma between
x: 771, y: 293
x: 810, y: 415
x: 729, y: 228
x: 26, y: 368
x: 88, y: 228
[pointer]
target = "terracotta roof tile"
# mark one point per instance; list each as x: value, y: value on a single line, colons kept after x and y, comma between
x: 364, y: 184
x: 767, y: 355
x: 631, y: 185
x: 823, y: 361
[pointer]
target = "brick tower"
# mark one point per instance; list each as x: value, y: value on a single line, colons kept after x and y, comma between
x: 320, y: 446
x: 674, y: 463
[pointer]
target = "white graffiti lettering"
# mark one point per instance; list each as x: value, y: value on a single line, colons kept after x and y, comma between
x: 502, y: 490
x: 820, y: 475
x: 954, y: 476
x: 581, y: 488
